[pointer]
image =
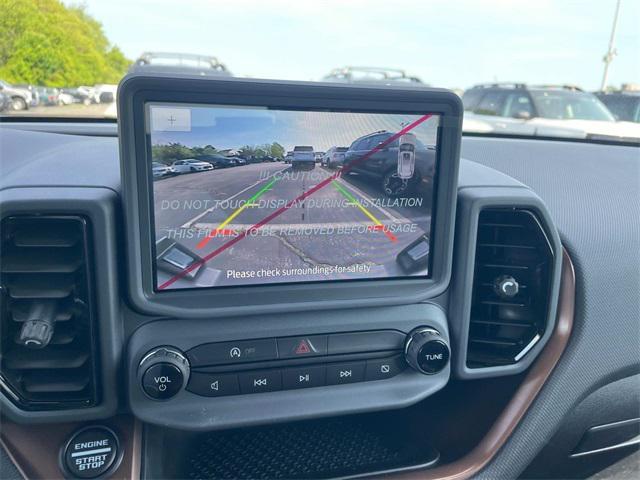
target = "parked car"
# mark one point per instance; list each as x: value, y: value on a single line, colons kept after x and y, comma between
x: 20, y: 98
x: 191, y: 165
x: 382, y: 165
x: 625, y: 106
x: 161, y: 62
x: 239, y: 160
x: 65, y: 98
x: 217, y: 160
x: 5, y: 102
x: 318, y: 156
x: 303, y: 157
x: 48, y: 96
x: 161, y: 170
x: 373, y: 75
x: 288, y: 157
x: 75, y: 95
x: 334, y: 157
x: 35, y: 97
x: 564, y: 111
x: 104, y: 93
x: 89, y: 92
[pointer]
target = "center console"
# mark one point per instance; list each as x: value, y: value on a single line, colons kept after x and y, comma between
x: 304, y: 267
x: 303, y: 293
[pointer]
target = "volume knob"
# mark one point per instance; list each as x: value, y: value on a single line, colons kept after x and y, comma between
x: 426, y: 350
x: 163, y: 372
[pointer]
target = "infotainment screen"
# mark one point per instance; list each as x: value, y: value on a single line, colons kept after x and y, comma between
x: 251, y: 195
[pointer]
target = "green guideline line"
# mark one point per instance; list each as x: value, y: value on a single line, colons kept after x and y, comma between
x: 263, y: 190
x: 237, y: 212
x: 344, y: 192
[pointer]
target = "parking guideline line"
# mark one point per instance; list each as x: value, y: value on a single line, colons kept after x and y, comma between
x: 293, y: 202
x: 213, y: 233
x: 356, y: 190
x: 188, y: 223
x: 355, y: 202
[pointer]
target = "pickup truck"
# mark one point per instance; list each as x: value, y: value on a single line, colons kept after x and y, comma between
x: 303, y: 157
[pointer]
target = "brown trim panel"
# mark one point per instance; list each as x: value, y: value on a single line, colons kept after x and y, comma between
x: 504, y: 426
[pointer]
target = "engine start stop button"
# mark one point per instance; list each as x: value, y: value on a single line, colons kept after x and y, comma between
x: 91, y: 452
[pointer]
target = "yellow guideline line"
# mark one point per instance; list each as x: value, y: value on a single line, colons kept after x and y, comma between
x: 355, y: 202
x: 250, y: 203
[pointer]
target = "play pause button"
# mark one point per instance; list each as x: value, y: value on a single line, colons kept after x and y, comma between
x: 345, y: 373
x: 303, y: 377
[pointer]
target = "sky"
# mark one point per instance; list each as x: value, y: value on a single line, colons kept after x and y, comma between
x: 233, y: 128
x: 446, y: 43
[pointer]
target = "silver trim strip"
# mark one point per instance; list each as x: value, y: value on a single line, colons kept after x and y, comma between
x: 628, y: 443
x: 526, y: 349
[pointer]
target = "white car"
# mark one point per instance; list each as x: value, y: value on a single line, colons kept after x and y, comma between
x: 65, y: 98
x: 334, y: 157
x: 161, y: 170
x: 568, y: 112
x: 104, y: 93
x: 191, y: 165
x: 303, y: 157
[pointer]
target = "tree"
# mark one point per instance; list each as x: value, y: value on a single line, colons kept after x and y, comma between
x: 276, y: 150
x: 42, y: 42
x: 171, y: 152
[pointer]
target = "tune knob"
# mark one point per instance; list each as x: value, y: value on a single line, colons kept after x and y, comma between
x: 426, y: 351
x: 163, y: 372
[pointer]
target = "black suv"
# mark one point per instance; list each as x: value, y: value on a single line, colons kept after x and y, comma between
x: 624, y: 105
x: 383, y: 164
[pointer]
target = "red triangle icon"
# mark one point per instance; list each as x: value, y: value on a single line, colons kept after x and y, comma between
x: 302, y: 348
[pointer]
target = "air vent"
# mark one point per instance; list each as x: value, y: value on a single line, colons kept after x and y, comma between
x: 511, y: 289
x: 47, y: 358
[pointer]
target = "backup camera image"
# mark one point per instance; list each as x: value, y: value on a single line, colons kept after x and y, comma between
x: 256, y: 196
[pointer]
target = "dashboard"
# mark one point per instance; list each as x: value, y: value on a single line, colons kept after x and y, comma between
x: 475, y: 362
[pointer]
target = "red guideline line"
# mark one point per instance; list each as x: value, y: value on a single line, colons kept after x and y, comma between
x: 380, y: 228
x: 293, y: 202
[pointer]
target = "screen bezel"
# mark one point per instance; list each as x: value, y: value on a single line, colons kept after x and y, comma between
x: 136, y: 91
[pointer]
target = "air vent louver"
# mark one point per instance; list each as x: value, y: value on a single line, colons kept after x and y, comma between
x: 511, y: 288
x: 44, y: 275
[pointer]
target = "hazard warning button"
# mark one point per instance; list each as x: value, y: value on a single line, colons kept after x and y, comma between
x: 294, y: 347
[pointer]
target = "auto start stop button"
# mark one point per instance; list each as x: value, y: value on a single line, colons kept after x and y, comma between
x: 91, y: 453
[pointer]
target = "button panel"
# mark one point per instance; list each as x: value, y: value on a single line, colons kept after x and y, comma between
x: 288, y: 363
x: 233, y: 352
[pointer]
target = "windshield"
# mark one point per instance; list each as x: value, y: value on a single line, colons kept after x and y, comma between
x: 570, y: 106
x: 523, y: 60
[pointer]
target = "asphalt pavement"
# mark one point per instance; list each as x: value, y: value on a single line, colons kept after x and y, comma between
x: 348, y: 223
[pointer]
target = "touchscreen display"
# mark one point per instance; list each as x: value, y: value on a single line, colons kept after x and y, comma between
x: 256, y: 196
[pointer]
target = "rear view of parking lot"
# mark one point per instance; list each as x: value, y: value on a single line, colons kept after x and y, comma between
x: 348, y: 228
